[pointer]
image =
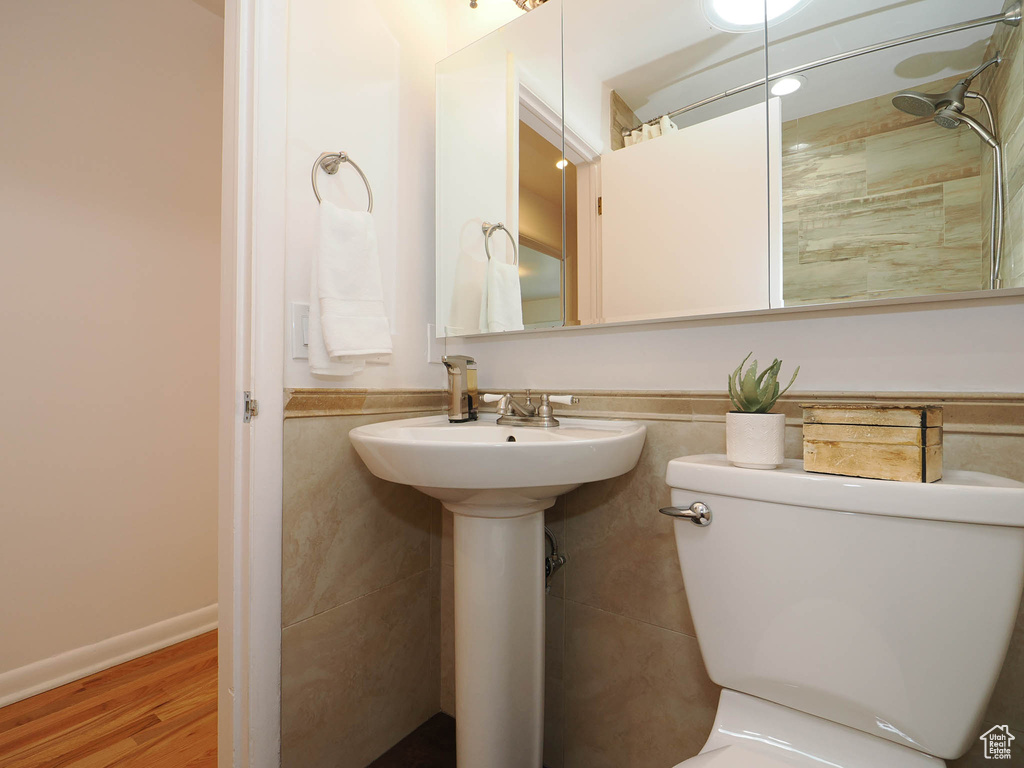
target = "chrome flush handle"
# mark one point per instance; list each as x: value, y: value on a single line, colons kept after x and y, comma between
x: 698, y: 513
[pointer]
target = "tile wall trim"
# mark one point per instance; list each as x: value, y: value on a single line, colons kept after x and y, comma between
x: 988, y: 413
x: 308, y: 403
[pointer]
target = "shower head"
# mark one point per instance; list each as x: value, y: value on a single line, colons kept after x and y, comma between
x: 948, y: 118
x: 953, y: 118
x: 927, y: 104
x: 917, y: 103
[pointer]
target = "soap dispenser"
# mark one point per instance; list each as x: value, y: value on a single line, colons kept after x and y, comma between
x: 462, y: 391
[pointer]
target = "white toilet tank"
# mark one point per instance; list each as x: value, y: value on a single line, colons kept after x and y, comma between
x: 884, y: 606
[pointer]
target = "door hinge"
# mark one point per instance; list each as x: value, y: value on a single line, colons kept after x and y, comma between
x: 600, y: 206
x: 252, y: 408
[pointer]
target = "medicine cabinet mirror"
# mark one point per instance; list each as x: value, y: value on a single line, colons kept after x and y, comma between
x: 712, y: 161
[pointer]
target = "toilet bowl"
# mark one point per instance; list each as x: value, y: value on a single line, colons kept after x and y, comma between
x: 754, y: 733
x: 851, y: 623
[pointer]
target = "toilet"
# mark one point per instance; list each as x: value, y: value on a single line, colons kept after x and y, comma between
x: 850, y: 623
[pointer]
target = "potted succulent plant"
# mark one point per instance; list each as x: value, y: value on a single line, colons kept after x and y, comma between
x: 754, y: 437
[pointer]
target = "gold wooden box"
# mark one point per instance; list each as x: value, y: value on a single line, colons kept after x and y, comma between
x: 877, y: 441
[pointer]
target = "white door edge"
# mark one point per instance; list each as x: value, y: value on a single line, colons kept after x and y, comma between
x: 252, y: 357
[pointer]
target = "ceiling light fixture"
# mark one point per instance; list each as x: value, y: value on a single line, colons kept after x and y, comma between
x: 561, y: 164
x: 749, y: 15
x: 788, y: 85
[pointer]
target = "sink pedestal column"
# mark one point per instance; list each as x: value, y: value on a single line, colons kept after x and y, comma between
x: 499, y: 634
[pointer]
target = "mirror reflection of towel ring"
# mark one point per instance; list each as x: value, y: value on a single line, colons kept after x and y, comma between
x: 330, y: 162
x: 489, y: 229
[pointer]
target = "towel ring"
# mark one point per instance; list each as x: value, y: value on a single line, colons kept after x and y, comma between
x: 331, y: 162
x: 489, y: 229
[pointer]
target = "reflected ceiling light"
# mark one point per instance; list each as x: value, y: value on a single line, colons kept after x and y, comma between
x: 788, y: 85
x: 561, y: 164
x: 749, y: 15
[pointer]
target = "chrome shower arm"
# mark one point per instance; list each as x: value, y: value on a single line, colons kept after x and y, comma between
x: 995, y: 60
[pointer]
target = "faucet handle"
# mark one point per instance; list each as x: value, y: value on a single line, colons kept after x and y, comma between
x: 564, y: 399
x: 491, y: 398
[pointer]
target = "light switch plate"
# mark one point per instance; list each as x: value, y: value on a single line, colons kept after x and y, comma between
x: 435, y: 346
x: 300, y: 330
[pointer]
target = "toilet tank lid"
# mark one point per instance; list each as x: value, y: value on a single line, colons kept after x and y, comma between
x: 960, y: 497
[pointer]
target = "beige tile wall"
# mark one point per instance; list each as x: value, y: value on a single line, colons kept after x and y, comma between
x: 878, y: 203
x: 361, y: 588
x: 626, y: 685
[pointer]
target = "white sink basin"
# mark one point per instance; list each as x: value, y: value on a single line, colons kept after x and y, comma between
x: 481, y: 463
x: 498, y: 481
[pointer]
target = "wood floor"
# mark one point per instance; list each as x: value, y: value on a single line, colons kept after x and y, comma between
x: 158, y: 711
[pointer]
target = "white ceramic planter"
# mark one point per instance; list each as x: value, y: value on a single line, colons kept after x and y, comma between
x: 755, y: 440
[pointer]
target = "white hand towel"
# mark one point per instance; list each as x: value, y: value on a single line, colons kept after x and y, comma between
x: 320, y: 362
x: 504, y: 297
x: 347, y: 322
x: 667, y: 126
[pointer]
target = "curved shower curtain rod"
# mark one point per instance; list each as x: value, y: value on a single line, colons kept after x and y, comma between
x: 1011, y: 14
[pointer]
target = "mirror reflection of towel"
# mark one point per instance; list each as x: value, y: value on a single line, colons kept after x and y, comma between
x: 504, y: 297
x: 661, y: 127
x: 468, y: 311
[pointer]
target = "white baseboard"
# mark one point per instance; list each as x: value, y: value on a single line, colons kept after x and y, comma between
x: 57, y: 670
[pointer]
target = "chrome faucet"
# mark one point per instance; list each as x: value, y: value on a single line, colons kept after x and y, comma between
x: 462, y: 393
x: 513, y: 413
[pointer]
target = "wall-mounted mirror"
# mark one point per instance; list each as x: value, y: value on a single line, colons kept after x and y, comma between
x: 500, y: 244
x: 714, y: 160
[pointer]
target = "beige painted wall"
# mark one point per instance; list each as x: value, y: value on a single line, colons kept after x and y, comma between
x: 109, y: 251
x: 361, y: 79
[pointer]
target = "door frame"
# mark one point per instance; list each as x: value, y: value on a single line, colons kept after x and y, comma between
x: 252, y: 359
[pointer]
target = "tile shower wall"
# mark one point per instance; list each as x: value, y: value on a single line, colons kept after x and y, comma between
x: 878, y: 203
x: 1005, y: 87
x: 626, y: 685
x: 361, y: 587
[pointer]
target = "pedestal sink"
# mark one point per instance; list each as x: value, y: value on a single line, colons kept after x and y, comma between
x: 498, y: 481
